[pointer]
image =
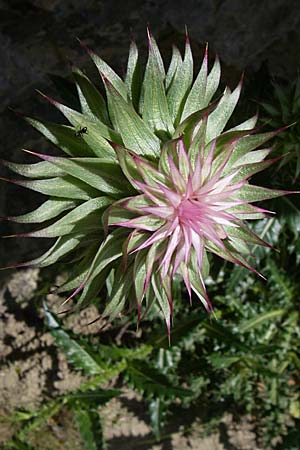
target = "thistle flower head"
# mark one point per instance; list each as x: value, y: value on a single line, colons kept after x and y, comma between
x: 183, y: 207
x: 153, y: 181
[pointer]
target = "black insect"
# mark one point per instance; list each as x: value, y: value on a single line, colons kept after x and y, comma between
x: 80, y: 132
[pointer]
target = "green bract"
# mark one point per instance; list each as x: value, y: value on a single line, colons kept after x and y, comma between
x: 152, y: 181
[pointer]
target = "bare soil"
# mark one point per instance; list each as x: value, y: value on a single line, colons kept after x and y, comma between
x: 34, y: 371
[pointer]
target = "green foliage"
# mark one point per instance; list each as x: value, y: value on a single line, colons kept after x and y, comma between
x: 282, y: 109
x: 89, y: 426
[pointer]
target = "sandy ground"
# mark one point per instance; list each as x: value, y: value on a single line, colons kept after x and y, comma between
x: 32, y: 370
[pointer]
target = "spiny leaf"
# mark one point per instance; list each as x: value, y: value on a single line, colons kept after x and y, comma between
x: 135, y: 133
x: 89, y: 425
x: 180, y: 331
x: 155, y: 108
x: 162, y: 299
x: 66, y: 187
x: 150, y: 380
x: 63, y: 137
x: 75, y: 354
x: 106, y: 71
x: 218, y: 119
x: 38, y: 170
x: 139, y: 273
x: 97, y: 133
x: 48, y: 210
x: 180, y: 85
x: 248, y: 143
x: 249, y: 124
x: 213, y: 81
x: 99, y: 173
x: 247, y: 170
x: 112, y: 352
x: 176, y: 62
x: 119, y: 292
x: 251, y: 193
x: 80, y: 270
x: 62, y: 247
x: 109, y: 251
x: 76, y: 220
x: 92, y: 103
x: 157, y: 409
x: 253, y: 157
x: 260, y: 318
x: 133, y: 78
x: 196, y: 99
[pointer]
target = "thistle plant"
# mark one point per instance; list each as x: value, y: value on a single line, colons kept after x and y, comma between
x: 152, y: 183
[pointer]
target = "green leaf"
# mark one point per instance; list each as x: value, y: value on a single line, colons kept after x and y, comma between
x: 247, y: 170
x: 89, y: 425
x: 135, y: 133
x: 97, y: 133
x: 196, y: 99
x: 155, y: 107
x: 213, y: 81
x: 39, y: 170
x: 156, y: 52
x: 152, y: 382
x: 127, y: 165
x: 218, y: 119
x: 245, y: 234
x: 248, y: 143
x: 107, y: 72
x: 80, y: 270
x: 197, y: 145
x: 66, y: 187
x: 157, y: 409
x: 251, y: 193
x: 180, y: 331
x: 94, y: 396
x: 260, y: 318
x: 180, y: 85
x: 92, y: 103
x: 116, y: 214
x: 176, y: 61
x: 253, y: 157
x: 139, y: 275
x: 162, y: 298
x: 109, y: 251
x: 114, y: 353
x: 76, y: 220
x: 63, y: 137
x: 120, y: 289
x: 100, y: 173
x: 133, y: 78
x: 223, y: 361
x: 249, y: 124
x: 48, y: 210
x: 75, y: 354
x: 62, y: 247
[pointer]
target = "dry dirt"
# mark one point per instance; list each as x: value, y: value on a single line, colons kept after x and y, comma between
x: 32, y: 370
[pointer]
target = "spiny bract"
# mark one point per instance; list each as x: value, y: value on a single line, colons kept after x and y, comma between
x: 150, y: 185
